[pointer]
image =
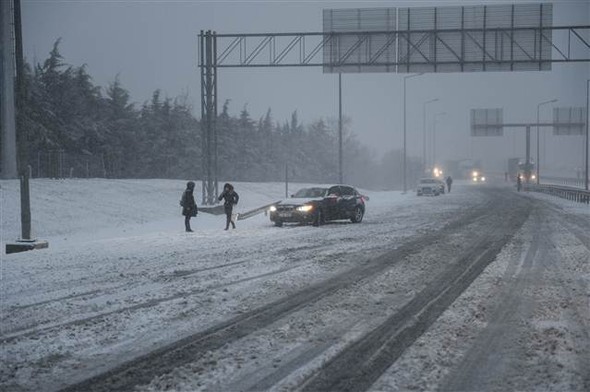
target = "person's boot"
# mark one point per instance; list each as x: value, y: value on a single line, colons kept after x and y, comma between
x: 233, y: 225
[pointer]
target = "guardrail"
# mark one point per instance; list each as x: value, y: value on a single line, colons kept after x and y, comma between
x: 565, y: 192
x: 577, y: 182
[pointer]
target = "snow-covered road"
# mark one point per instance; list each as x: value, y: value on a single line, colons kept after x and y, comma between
x: 482, y: 288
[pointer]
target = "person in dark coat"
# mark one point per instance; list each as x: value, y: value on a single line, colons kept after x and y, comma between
x: 449, y: 183
x: 518, y: 183
x: 188, y: 204
x: 231, y: 198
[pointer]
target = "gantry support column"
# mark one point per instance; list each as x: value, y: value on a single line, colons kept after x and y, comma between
x: 208, y: 65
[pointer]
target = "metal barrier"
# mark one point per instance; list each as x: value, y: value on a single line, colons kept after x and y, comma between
x: 565, y: 192
x: 576, y: 182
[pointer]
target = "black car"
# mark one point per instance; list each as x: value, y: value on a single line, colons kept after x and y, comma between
x: 318, y: 205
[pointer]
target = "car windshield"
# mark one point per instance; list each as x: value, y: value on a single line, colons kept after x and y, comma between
x: 310, y: 192
x: 427, y: 181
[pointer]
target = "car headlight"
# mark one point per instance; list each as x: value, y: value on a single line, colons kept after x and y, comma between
x: 272, y: 208
x: 475, y: 179
x: 483, y: 178
x: 533, y: 176
x: 305, y: 208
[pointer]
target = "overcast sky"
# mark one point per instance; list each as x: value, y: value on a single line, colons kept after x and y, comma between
x: 153, y: 44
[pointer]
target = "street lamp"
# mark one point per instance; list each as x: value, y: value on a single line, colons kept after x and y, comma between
x: 340, y: 169
x: 538, y: 162
x: 434, y: 136
x: 405, y: 155
x: 586, y: 139
x: 424, y: 132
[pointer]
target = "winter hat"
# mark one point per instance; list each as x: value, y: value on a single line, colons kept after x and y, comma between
x: 190, y: 185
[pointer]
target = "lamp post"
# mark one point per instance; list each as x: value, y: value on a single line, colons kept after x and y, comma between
x: 340, y: 170
x: 424, y: 132
x: 538, y: 156
x: 586, y: 139
x: 434, y: 136
x: 405, y: 154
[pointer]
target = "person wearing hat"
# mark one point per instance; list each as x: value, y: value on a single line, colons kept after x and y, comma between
x: 188, y: 204
x: 230, y: 198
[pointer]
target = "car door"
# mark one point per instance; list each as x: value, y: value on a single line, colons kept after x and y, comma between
x: 347, y: 202
x: 331, y: 202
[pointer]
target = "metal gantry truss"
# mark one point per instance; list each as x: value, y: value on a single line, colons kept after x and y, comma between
x: 426, y: 50
x: 418, y: 48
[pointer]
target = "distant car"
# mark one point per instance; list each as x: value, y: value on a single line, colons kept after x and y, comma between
x: 430, y: 187
x: 477, y: 176
x: 318, y: 205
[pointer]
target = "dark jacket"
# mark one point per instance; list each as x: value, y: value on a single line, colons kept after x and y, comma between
x: 230, y: 198
x: 189, y: 206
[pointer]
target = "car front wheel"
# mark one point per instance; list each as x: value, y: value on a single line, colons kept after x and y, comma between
x: 358, y: 215
x: 319, y: 219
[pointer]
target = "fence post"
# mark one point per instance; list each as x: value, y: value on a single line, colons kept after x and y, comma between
x: 104, y: 167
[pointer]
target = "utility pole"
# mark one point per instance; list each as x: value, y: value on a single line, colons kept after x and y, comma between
x: 538, y: 144
x: 286, y: 180
x: 8, y: 165
x: 424, y: 133
x: 586, y: 139
x: 340, y: 143
x: 22, y: 138
x: 434, y: 137
x: 26, y: 242
x: 405, y: 144
x: 527, y: 170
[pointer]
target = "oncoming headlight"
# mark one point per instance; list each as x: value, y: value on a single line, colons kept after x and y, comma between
x: 305, y: 208
x: 272, y: 208
x: 483, y: 178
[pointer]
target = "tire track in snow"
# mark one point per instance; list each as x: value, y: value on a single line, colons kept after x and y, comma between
x: 190, y: 272
x: 7, y: 338
x: 485, y: 363
x: 71, y: 296
x: 501, y: 357
x: 358, y: 366
x: 581, y: 315
x: 577, y: 225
